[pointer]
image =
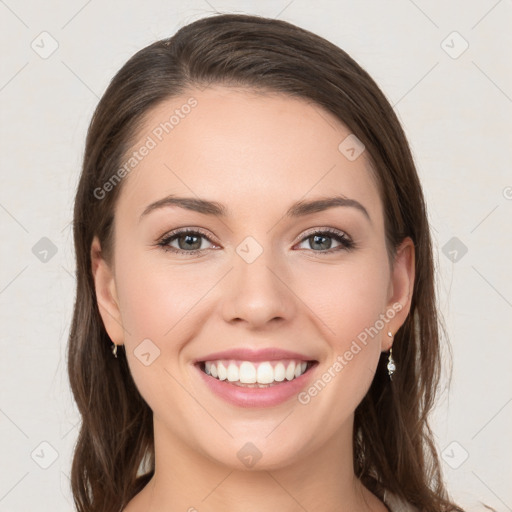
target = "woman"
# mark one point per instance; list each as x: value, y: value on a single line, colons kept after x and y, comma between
x: 252, y: 243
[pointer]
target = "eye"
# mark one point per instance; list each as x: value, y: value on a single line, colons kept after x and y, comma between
x: 189, y: 241
x: 322, y: 240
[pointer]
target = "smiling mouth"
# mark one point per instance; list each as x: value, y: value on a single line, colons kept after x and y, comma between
x: 261, y: 374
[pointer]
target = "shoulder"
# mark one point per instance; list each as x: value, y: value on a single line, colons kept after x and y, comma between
x: 397, y: 504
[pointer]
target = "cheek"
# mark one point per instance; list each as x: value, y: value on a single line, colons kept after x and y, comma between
x: 349, y: 304
x: 155, y: 302
x: 347, y: 297
x: 362, y: 301
x: 155, y: 298
x: 348, y: 300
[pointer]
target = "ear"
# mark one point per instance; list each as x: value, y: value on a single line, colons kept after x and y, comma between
x: 106, y: 294
x: 401, y: 287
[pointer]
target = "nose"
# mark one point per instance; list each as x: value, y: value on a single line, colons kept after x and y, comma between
x: 257, y: 293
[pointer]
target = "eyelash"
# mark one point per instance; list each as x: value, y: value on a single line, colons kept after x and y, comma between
x: 345, y: 242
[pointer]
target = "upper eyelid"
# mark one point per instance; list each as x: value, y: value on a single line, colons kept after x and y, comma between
x: 179, y: 231
x: 324, y: 230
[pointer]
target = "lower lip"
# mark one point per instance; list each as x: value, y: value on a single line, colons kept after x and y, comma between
x: 256, y: 397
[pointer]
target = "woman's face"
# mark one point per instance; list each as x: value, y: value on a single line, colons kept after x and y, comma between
x: 253, y: 292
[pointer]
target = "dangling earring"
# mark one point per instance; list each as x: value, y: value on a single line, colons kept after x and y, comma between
x: 114, y: 350
x: 391, y: 362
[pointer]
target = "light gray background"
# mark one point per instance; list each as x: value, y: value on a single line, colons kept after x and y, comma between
x: 455, y: 108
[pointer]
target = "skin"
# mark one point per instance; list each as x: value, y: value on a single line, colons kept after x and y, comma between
x: 257, y: 154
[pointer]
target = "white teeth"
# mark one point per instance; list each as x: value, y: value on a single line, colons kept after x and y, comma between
x: 290, y: 371
x: 246, y: 372
x: 265, y: 373
x: 279, y: 372
x: 222, y: 372
x: 232, y: 372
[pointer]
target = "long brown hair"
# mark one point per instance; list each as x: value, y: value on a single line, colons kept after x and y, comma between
x: 393, y: 445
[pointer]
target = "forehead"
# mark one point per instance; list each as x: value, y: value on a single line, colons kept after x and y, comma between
x: 249, y: 150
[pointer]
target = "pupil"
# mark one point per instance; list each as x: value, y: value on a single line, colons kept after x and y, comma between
x: 188, y: 239
x: 316, y: 239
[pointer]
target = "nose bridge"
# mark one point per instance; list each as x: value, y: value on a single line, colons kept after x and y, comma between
x: 257, y: 291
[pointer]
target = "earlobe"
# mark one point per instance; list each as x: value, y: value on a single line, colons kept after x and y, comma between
x: 402, y: 286
x: 106, y: 294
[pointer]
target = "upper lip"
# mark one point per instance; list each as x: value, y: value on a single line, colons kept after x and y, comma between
x: 247, y: 354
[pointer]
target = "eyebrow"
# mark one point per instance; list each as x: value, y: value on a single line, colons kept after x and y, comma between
x: 298, y: 209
